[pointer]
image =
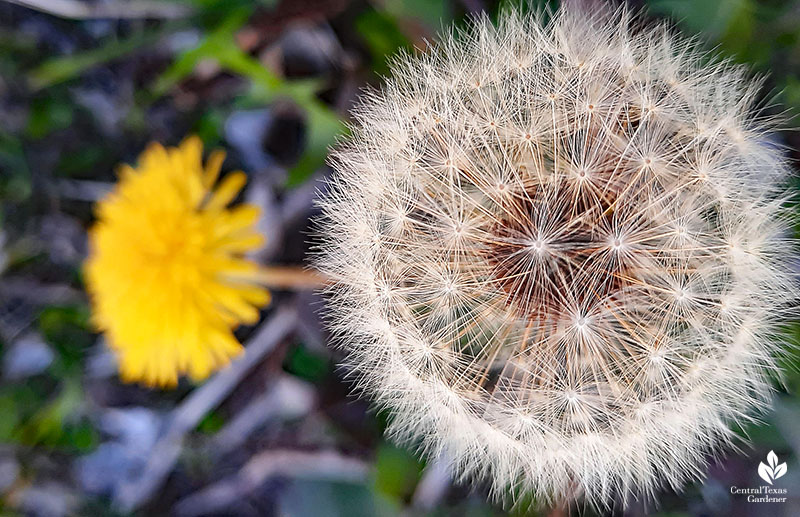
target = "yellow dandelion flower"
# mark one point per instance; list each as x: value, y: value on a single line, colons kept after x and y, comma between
x: 165, y: 273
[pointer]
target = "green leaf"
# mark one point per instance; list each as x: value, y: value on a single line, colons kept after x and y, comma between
x: 306, y: 365
x: 711, y: 17
x: 15, y: 183
x: 791, y: 93
x: 66, y: 328
x: 209, y: 127
x: 764, y: 434
x: 323, y: 124
x: 323, y: 129
x: 48, y: 114
x: 85, y: 159
x: 211, y: 423
x: 435, y: 14
x: 60, y: 69
x: 396, y: 472
x: 382, y: 36
x: 320, y: 498
x: 81, y: 437
x: 46, y: 426
x: 738, y: 36
x: 11, y: 417
x: 214, y: 46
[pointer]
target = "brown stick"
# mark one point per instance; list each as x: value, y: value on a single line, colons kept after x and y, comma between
x: 324, y: 464
x: 188, y: 414
x: 291, y: 278
x: 559, y: 511
x: 77, y: 10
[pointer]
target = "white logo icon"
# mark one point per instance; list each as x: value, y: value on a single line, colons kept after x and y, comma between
x: 773, y: 471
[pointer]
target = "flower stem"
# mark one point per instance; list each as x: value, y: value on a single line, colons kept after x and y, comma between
x: 291, y: 278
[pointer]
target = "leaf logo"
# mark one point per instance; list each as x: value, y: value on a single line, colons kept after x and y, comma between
x: 773, y: 471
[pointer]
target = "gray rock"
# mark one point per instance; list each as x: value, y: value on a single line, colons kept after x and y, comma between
x: 64, y: 238
x: 108, y: 466
x: 245, y: 132
x: 9, y: 472
x: 182, y: 41
x: 3, y: 255
x: 136, y: 428
x: 26, y: 357
x: 48, y: 499
x: 109, y: 108
x: 102, y: 362
x: 259, y: 192
x: 309, y: 51
x: 118, y: 461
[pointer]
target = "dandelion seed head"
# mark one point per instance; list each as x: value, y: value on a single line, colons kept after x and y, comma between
x: 558, y: 255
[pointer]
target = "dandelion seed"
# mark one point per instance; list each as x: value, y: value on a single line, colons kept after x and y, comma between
x: 622, y: 270
x: 165, y: 272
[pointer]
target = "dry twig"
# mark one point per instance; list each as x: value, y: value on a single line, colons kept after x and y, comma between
x: 185, y: 417
x: 287, y: 398
x: 433, y: 486
x: 266, y: 465
x: 133, y: 9
x: 291, y: 278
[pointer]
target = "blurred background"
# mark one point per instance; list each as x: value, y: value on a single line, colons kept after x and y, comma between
x: 84, y: 86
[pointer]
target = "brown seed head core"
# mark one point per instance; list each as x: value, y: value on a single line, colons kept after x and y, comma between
x: 545, y: 249
x: 557, y: 231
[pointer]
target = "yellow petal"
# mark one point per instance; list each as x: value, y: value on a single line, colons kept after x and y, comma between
x: 192, y: 150
x: 241, y: 244
x: 213, y: 166
x: 228, y: 189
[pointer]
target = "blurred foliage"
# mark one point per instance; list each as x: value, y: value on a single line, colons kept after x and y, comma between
x: 304, y: 363
x: 765, y: 35
x: 396, y: 472
x: 61, y: 69
x: 211, y: 423
x: 383, y: 36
